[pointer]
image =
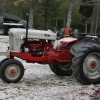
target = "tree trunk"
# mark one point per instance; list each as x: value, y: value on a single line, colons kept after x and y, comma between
x: 71, y: 5
x: 86, y: 25
x: 96, y: 26
x: 31, y: 17
x: 94, y: 20
x: 45, y: 20
x: 56, y: 23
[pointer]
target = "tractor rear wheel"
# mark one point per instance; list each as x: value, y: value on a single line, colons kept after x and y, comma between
x: 86, y: 64
x: 11, y: 71
x: 61, y: 69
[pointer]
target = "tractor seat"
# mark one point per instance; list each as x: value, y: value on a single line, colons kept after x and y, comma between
x: 64, y: 41
x: 69, y: 41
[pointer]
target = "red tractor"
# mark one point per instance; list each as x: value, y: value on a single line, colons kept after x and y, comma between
x: 65, y: 56
x: 36, y: 46
x: 79, y: 55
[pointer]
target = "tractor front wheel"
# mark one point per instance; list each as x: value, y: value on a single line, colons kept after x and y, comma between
x: 61, y: 69
x: 86, y: 64
x: 11, y: 71
x: 2, y: 61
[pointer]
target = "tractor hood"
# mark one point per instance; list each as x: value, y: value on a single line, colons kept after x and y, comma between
x: 16, y: 36
x: 32, y: 33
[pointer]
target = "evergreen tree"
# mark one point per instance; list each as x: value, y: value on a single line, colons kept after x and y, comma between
x: 49, y: 11
x: 30, y: 5
x: 95, y: 17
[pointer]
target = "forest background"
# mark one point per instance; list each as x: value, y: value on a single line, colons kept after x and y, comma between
x: 83, y: 15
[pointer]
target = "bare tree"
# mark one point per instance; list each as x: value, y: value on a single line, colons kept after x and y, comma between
x: 95, y: 16
x: 30, y: 5
x: 71, y: 5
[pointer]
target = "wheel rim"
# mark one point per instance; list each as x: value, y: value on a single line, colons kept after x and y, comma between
x: 1, y: 31
x: 65, y: 67
x: 12, y: 72
x: 91, y: 65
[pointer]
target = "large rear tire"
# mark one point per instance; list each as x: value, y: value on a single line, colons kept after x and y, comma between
x: 86, y: 64
x: 61, y: 69
x: 11, y: 71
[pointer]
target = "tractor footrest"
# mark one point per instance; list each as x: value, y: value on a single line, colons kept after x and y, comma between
x: 62, y: 61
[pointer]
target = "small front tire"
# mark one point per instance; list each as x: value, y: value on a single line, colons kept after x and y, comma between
x: 2, y: 61
x: 11, y: 71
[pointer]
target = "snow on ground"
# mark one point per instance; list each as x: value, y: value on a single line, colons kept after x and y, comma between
x: 39, y: 83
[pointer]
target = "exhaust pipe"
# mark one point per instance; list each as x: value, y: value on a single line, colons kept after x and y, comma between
x: 27, y: 26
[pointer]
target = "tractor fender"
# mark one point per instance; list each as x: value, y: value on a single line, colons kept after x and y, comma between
x: 77, y: 46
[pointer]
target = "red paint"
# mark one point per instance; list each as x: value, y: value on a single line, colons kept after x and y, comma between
x: 93, y: 65
x: 67, y: 32
x: 12, y: 71
x: 42, y: 52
